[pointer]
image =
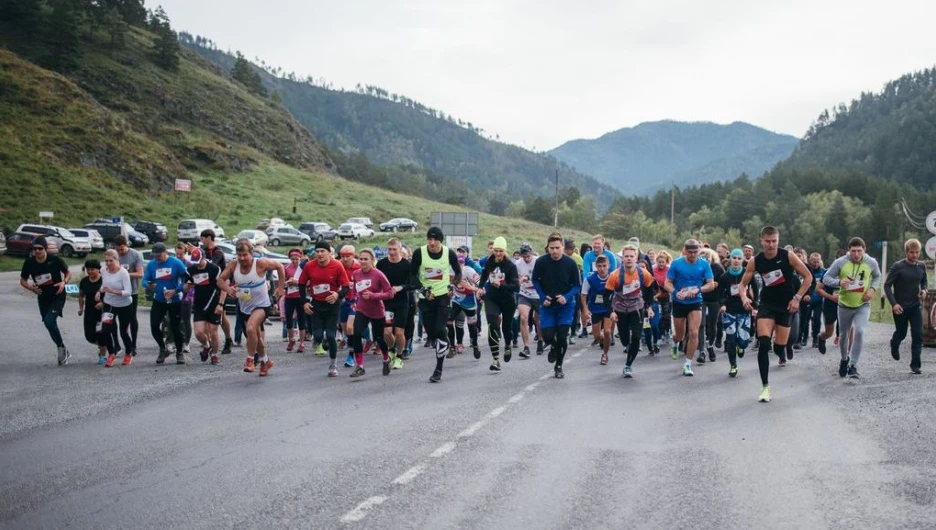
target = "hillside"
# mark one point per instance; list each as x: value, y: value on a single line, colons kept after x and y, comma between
x: 888, y: 134
x: 654, y: 155
x: 403, y: 132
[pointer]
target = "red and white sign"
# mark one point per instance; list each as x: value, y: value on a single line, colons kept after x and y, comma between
x: 183, y: 185
x: 931, y: 247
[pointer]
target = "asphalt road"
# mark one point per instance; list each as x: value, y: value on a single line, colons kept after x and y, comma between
x: 197, y: 446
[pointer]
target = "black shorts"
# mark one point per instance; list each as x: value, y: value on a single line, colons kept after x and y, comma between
x: 780, y: 316
x: 683, y: 310
x: 208, y: 315
x: 829, y: 311
x: 400, y: 312
x: 533, y: 304
x: 599, y: 318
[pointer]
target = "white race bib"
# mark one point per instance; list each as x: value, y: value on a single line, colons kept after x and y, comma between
x: 292, y: 289
x: 856, y: 286
x: 320, y: 288
x: 98, y: 327
x: 200, y: 278
x: 774, y: 278
x: 107, y: 318
x: 388, y: 317
x: 433, y: 273
x: 43, y: 279
x: 362, y: 285
x: 736, y: 290
x: 631, y: 287
x: 243, y: 294
x: 164, y: 273
x: 599, y: 299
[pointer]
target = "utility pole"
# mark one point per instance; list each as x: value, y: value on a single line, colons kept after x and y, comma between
x: 672, y: 212
x: 556, y: 218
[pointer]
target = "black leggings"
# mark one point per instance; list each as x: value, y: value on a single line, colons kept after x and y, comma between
x: 294, y: 313
x: 557, y: 338
x: 629, y: 328
x: 120, y: 321
x: 157, y: 314
x: 505, y: 310
x: 325, y: 326
x: 377, y: 329
x: 456, y: 325
x: 91, y: 318
x: 666, y: 312
x: 134, y: 321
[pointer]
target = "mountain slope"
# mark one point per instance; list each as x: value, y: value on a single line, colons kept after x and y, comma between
x: 889, y: 134
x: 656, y: 154
x: 391, y: 132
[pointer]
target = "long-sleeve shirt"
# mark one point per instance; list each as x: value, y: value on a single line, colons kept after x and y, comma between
x: 506, y: 272
x: 729, y: 294
x: 844, y: 267
x: 904, y: 283
x: 552, y: 277
x: 588, y: 261
x: 378, y: 285
x: 117, y: 280
x: 169, y: 274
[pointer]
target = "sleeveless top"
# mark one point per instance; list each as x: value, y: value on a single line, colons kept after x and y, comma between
x: 252, y: 291
x: 778, y: 277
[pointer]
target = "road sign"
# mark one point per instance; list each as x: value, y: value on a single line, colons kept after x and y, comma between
x: 455, y: 223
x: 183, y: 185
x: 117, y: 220
x: 931, y: 222
x: 931, y: 247
x: 48, y: 215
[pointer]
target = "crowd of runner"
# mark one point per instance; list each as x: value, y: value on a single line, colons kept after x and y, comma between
x: 777, y: 301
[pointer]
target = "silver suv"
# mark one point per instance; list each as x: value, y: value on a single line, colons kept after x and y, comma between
x: 282, y: 235
x: 68, y: 243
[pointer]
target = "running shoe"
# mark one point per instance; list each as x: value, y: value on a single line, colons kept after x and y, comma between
x: 628, y: 372
x: 764, y: 395
x: 700, y: 358
x: 782, y: 362
x: 674, y: 352
x: 186, y: 348
x: 595, y: 343
x: 797, y: 346
x: 161, y: 358
x: 358, y: 371
x: 733, y: 372
x: 386, y: 368
x: 711, y: 354
x: 227, y: 347
x: 836, y: 341
x: 552, y: 355
x: 333, y: 369
x: 476, y: 351
x: 789, y: 352
x: 843, y: 368
x: 63, y: 356
x: 687, y: 370
x: 127, y: 359
x: 290, y: 345
x: 204, y: 353
x: 718, y: 342
x: 820, y: 345
x: 525, y: 352
x: 301, y: 347
x: 572, y: 339
x: 286, y: 338
x: 450, y: 354
x: 539, y: 347
x: 436, y: 376
x: 249, y: 365
x: 604, y: 359
x: 558, y: 373
x: 180, y: 358
x: 349, y: 361
x: 397, y: 363
x: 459, y: 349
x: 407, y: 352
x: 895, y: 350
x: 514, y: 343
x: 102, y: 359
x: 853, y: 372
x: 655, y: 350
x: 496, y: 366
x: 740, y: 352
x: 214, y: 360
x: 916, y: 371
x: 320, y: 350
x: 265, y: 367
x: 110, y: 360
x: 508, y: 354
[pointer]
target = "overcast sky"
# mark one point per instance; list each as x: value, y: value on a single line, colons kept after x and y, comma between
x: 539, y: 73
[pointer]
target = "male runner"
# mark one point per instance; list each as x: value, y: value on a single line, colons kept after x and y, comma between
x: 778, y: 300
x: 625, y: 287
x: 49, y: 275
x: 687, y: 278
x: 329, y: 282
x: 528, y: 301
x: 906, y: 290
x: 167, y: 274
x: 429, y: 270
x: 557, y: 281
x: 215, y: 255
x: 397, y: 270
x: 596, y: 306
x: 208, y: 304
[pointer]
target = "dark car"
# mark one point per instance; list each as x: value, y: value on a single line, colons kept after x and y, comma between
x: 318, y: 231
x: 400, y: 224
x: 20, y: 244
x: 2, y: 244
x: 109, y: 231
x: 156, y: 232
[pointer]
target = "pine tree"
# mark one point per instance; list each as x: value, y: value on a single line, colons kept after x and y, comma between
x: 244, y: 74
x: 64, y: 35
x: 166, y: 45
x: 116, y: 27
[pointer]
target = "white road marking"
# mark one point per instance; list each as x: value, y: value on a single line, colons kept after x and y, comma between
x: 360, y: 511
x: 545, y: 377
x: 473, y: 428
x: 515, y: 398
x: 496, y: 412
x: 412, y: 473
x: 531, y: 387
x: 443, y: 450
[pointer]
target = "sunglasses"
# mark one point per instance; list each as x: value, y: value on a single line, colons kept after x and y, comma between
x: 38, y: 249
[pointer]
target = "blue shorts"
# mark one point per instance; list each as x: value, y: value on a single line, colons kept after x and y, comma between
x: 557, y: 315
x: 347, y: 310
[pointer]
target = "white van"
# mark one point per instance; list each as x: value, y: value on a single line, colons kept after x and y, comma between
x: 191, y: 229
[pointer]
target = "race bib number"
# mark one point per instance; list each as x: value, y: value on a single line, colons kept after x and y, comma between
x: 774, y: 278
x: 243, y: 294
x: 362, y: 285
x: 320, y: 288
x: 43, y: 279
x: 71, y: 288
x: 736, y: 290
x: 107, y: 318
x: 631, y: 288
x: 201, y: 278
x: 599, y: 299
x: 856, y: 286
x: 98, y: 327
x: 646, y: 323
x: 433, y: 273
x: 164, y: 273
x: 292, y: 289
x: 388, y: 317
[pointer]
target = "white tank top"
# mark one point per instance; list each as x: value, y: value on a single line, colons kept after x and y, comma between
x: 251, y: 289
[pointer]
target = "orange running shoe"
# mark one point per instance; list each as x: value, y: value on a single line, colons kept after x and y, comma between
x: 249, y: 365
x: 110, y: 360
x: 265, y: 367
x: 127, y: 360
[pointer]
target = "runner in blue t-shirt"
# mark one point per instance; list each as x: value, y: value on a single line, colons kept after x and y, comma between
x: 688, y: 277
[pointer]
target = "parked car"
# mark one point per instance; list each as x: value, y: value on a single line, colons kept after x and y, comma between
x: 354, y: 231
x: 137, y: 239
x: 156, y: 232
x: 20, y: 244
x: 281, y: 235
x: 265, y: 224
x: 190, y: 229
x: 2, y: 244
x: 68, y: 244
x: 96, y: 239
x: 399, y: 224
x: 362, y: 220
x: 109, y: 230
x: 257, y: 237
x: 318, y: 231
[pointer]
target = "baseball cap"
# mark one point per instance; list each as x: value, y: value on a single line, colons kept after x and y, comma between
x: 526, y: 249
x: 159, y: 248
x: 196, y: 254
x: 463, y: 248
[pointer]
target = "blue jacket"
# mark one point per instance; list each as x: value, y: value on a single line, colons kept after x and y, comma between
x: 169, y: 274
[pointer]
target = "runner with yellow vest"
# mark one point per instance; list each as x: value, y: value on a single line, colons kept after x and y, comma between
x: 858, y: 277
x: 429, y: 271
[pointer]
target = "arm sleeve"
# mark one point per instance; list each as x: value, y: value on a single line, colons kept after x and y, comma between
x: 575, y: 280
x: 889, y: 283
x: 415, y: 264
x: 924, y: 285
x: 387, y: 292
x: 512, y: 279
x: 535, y: 277
x: 831, y: 278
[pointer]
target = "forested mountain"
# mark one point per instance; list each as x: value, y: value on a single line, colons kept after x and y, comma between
x: 890, y: 134
x: 655, y: 155
x: 404, y: 135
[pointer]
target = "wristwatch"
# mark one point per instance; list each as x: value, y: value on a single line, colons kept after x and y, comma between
x: 798, y: 297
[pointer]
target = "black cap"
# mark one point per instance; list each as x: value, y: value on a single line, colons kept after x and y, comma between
x: 526, y: 249
x: 435, y: 233
x: 463, y: 248
x: 159, y: 248
x: 322, y: 244
x: 40, y: 241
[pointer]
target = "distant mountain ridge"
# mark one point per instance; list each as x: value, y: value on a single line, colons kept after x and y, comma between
x: 653, y: 155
